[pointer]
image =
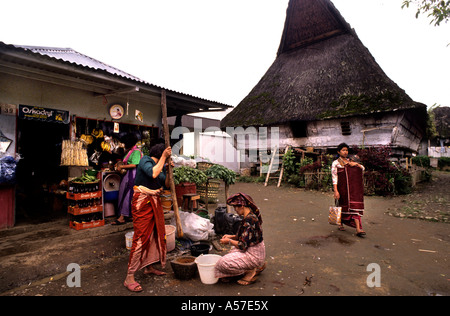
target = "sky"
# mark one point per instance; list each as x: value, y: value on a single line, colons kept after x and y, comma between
x: 219, y: 49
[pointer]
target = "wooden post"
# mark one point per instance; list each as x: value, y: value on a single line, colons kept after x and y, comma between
x: 282, y: 167
x: 227, y: 189
x: 170, y: 172
x: 206, y: 198
x: 275, y: 152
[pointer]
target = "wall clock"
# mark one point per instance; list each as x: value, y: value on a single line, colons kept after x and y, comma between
x: 116, y: 111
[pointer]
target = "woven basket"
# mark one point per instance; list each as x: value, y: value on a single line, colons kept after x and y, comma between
x: 213, y: 190
x: 203, y: 166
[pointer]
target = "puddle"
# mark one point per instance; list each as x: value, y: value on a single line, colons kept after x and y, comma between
x: 319, y: 241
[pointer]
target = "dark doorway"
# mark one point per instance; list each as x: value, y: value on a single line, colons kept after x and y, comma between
x: 39, y: 172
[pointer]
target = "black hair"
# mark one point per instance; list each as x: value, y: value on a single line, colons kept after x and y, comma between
x: 157, y: 150
x: 342, y: 145
x: 130, y: 140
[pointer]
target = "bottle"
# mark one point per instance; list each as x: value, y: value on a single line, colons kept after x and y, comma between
x: 70, y: 187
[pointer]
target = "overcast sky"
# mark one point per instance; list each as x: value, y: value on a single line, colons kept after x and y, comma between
x: 220, y: 49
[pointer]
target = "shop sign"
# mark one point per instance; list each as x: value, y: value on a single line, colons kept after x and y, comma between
x: 43, y: 114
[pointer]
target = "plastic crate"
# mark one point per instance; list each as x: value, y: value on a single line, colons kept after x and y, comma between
x: 80, y: 226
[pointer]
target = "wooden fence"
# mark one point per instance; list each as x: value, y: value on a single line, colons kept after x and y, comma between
x: 320, y: 180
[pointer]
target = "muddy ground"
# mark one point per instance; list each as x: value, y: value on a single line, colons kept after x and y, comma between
x: 305, y: 255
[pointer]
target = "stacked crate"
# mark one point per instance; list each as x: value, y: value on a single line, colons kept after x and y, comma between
x: 85, y: 206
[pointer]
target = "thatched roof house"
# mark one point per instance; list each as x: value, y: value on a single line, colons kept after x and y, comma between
x: 325, y: 78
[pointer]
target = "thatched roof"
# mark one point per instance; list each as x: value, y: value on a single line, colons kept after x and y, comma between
x: 322, y: 71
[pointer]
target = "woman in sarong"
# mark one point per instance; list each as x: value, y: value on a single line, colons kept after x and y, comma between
x: 248, y: 255
x: 149, y: 240
x: 348, y: 187
x: 129, y: 164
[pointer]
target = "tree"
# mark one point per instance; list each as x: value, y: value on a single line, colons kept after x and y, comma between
x: 438, y: 10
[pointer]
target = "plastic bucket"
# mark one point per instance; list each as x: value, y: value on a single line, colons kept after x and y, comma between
x: 129, y: 240
x: 206, y: 265
x: 109, y: 209
x: 170, y: 237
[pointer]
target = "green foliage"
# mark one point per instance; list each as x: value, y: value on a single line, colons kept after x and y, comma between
x: 249, y: 179
x: 188, y: 174
x: 386, y: 177
x: 431, y: 130
x: 289, y: 162
x: 443, y: 162
x: 294, y: 170
x: 220, y: 172
x: 438, y: 10
x: 422, y: 161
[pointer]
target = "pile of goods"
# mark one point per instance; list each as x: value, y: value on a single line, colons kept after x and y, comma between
x: 83, y: 184
x: 73, y: 153
x: 84, y: 199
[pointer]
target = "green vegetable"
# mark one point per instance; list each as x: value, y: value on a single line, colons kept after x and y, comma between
x: 188, y: 174
x: 85, y: 178
x: 220, y: 172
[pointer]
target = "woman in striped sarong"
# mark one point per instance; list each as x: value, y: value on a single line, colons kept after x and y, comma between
x: 149, y: 240
x: 348, y: 187
x: 248, y: 255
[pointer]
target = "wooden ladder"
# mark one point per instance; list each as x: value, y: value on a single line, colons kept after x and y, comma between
x: 280, y: 176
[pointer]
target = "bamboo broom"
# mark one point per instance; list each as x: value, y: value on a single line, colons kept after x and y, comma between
x: 170, y: 173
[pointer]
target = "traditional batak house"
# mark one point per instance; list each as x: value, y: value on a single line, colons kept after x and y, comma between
x: 325, y: 88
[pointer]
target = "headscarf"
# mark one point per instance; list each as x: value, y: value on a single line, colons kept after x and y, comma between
x: 242, y: 199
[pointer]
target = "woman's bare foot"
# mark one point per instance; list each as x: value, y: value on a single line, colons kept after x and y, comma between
x: 249, y: 278
x: 150, y: 270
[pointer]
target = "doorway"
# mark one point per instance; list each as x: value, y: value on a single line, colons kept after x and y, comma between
x: 38, y: 172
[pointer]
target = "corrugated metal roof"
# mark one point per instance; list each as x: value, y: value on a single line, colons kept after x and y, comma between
x: 69, y: 55
x: 72, y: 56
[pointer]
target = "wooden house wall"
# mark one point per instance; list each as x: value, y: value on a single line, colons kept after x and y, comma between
x: 396, y: 129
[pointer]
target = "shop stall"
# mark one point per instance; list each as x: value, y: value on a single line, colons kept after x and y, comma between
x: 91, y: 154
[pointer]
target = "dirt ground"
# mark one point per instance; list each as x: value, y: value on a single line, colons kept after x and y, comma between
x: 407, y: 238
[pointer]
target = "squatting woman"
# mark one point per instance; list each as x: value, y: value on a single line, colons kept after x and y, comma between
x: 248, y: 255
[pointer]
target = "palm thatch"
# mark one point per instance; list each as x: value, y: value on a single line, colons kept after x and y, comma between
x: 322, y: 71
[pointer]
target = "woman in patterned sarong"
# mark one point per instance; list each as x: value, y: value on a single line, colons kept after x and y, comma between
x: 130, y: 163
x: 248, y: 254
x: 348, y: 187
x: 149, y: 242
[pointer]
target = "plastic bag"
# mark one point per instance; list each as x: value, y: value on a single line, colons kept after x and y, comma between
x: 180, y: 161
x: 195, y: 227
x: 334, y: 215
x: 8, y: 166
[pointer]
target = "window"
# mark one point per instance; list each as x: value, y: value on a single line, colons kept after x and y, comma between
x: 346, y: 129
x: 299, y: 129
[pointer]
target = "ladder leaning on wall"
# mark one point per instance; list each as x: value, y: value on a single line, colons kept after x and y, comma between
x: 280, y: 176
